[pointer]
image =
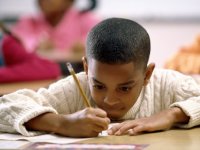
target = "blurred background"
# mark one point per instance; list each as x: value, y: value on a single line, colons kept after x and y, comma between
x: 171, y: 24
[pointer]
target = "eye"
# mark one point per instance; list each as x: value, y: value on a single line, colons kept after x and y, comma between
x: 125, y: 89
x: 98, y: 87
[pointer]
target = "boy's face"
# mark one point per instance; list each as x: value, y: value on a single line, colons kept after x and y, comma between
x: 115, y: 88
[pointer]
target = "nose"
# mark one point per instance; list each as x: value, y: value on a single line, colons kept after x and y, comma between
x: 111, y: 99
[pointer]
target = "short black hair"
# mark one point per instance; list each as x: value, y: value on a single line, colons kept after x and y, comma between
x: 118, y: 41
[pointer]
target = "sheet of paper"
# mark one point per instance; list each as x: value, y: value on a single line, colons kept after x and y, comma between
x: 52, y: 142
x: 12, y: 145
x: 49, y: 138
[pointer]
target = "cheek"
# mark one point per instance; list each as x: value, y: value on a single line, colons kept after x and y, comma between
x: 132, y: 97
x: 127, y: 100
x: 97, y: 96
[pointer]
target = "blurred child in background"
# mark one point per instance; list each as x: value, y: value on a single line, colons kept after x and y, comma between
x: 58, y: 32
x: 17, y: 65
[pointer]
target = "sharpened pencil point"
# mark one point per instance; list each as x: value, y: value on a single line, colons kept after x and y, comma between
x: 69, y: 66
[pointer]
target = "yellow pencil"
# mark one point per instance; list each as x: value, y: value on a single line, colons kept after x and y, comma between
x: 71, y: 70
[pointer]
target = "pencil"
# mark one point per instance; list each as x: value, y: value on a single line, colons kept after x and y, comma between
x: 71, y: 70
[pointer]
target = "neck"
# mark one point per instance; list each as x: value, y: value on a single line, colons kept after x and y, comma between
x: 53, y: 20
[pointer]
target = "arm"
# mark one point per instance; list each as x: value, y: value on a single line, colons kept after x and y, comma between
x: 178, y: 116
x: 85, y: 123
x: 180, y: 107
x: 161, y: 121
x: 28, y: 113
x: 58, y: 109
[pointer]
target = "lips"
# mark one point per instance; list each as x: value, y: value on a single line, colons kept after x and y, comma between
x: 114, y: 111
x: 113, y: 115
x: 113, y: 108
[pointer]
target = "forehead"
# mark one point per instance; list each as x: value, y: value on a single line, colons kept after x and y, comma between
x: 113, y: 72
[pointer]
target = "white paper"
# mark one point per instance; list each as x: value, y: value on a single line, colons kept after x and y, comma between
x: 12, y: 145
x: 50, y: 138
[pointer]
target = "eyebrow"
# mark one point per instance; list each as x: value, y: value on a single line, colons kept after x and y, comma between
x: 95, y: 80
x: 121, y: 84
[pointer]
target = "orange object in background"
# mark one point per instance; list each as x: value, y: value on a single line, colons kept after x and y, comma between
x: 187, y: 59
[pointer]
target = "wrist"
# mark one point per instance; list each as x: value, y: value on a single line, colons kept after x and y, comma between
x: 48, y: 122
x: 178, y: 115
x: 58, y: 124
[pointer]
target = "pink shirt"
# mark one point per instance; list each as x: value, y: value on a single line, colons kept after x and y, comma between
x: 73, y: 28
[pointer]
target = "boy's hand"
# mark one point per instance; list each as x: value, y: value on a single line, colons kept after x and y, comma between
x: 161, y: 121
x: 85, y: 123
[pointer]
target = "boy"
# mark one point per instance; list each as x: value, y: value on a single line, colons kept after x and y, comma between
x: 120, y: 86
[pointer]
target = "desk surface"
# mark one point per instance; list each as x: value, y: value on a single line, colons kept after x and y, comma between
x: 34, y: 85
x: 176, y: 139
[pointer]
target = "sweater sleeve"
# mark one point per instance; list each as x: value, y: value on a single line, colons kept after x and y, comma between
x: 187, y: 97
x: 23, y: 105
x: 20, y: 107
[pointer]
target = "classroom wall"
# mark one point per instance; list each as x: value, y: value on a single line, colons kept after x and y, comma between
x: 128, y: 8
x: 171, y: 24
x: 169, y: 37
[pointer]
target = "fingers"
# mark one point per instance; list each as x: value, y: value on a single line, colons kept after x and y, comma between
x: 97, y: 117
x: 101, y: 122
x: 97, y: 129
x: 137, y: 129
x: 121, y: 129
x: 99, y: 112
x: 130, y: 127
x: 114, y: 129
x: 100, y: 115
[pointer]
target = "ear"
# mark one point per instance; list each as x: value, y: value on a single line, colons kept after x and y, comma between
x: 85, y: 64
x: 148, y: 73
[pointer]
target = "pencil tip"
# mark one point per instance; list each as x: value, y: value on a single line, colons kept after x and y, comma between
x: 69, y: 66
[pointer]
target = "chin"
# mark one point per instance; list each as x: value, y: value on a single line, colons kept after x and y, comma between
x: 114, y: 116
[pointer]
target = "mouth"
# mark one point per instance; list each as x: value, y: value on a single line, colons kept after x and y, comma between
x: 117, y: 107
x: 114, y: 113
x: 114, y: 117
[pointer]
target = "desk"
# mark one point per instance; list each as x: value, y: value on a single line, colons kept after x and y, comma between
x: 34, y: 85
x: 176, y: 139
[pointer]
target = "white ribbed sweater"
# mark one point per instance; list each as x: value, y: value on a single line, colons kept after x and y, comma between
x: 166, y: 89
